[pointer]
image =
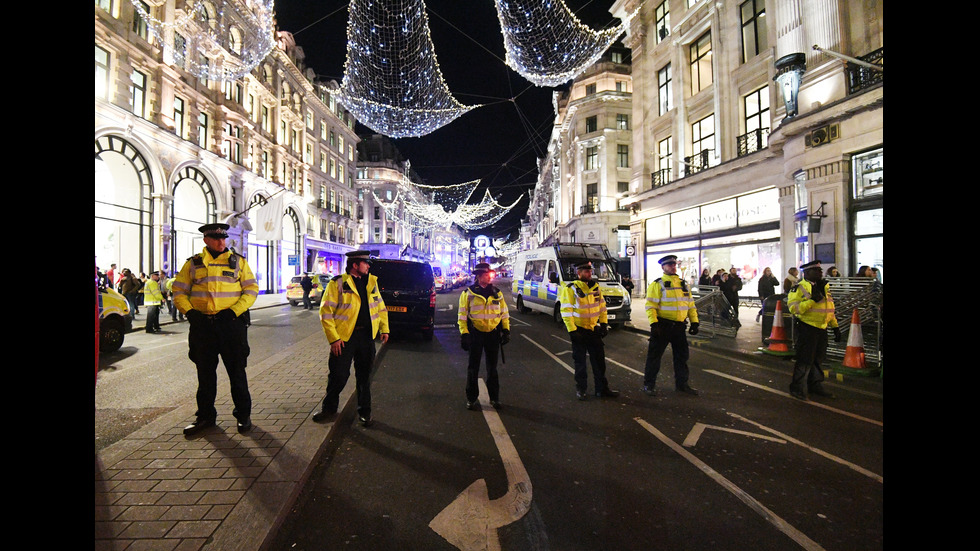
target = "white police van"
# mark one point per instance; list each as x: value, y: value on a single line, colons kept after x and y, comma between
x: 539, y: 274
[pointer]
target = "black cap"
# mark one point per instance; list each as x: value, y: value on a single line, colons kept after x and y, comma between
x: 481, y: 268
x: 584, y: 266
x: 361, y: 255
x: 216, y: 231
x: 668, y: 258
x: 813, y: 264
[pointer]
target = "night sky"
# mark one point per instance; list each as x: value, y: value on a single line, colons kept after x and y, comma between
x: 498, y: 142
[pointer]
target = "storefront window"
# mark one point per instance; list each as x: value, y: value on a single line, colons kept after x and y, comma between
x: 869, y: 174
x: 869, y: 239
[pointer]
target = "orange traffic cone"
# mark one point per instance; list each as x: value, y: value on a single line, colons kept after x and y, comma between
x: 854, y: 363
x: 778, y: 343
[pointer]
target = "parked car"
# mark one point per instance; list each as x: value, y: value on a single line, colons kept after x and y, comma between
x: 409, y: 291
x: 115, y: 320
x: 440, y: 280
x: 294, y: 291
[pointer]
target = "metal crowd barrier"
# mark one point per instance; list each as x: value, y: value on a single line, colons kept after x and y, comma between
x: 715, y: 313
x: 865, y: 295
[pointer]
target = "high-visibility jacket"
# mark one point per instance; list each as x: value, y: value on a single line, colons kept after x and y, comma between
x: 582, y: 305
x: 152, y: 294
x: 212, y: 284
x: 669, y: 298
x: 486, y: 313
x: 341, y: 303
x: 818, y: 314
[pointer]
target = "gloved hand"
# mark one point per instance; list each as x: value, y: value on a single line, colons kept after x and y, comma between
x: 575, y: 335
x: 464, y: 341
x: 655, y: 329
x: 505, y: 336
x: 193, y: 316
x: 602, y: 330
x: 837, y: 336
x: 227, y: 315
x: 694, y: 328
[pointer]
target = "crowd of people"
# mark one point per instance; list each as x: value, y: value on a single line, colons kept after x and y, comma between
x: 151, y: 291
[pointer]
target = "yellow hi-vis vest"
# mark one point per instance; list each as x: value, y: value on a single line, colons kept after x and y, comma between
x: 152, y: 295
x: 818, y: 314
x: 582, y: 305
x: 485, y: 313
x: 341, y: 302
x: 211, y: 285
x: 669, y: 298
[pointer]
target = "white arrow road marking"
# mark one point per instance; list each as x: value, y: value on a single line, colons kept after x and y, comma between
x: 762, y: 510
x: 787, y: 395
x: 470, y: 522
x: 608, y: 359
x: 553, y: 357
x: 695, y: 434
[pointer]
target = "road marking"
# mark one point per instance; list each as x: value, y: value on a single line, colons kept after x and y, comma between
x: 762, y: 510
x: 553, y: 357
x: 787, y: 395
x: 608, y: 359
x: 817, y: 451
x: 698, y: 430
x: 470, y: 522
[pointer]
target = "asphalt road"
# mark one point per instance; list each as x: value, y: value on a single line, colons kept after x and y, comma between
x: 743, y: 466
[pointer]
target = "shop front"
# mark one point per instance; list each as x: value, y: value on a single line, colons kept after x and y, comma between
x: 325, y: 257
x: 741, y: 232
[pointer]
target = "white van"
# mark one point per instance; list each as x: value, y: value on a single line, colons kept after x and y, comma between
x: 539, y: 273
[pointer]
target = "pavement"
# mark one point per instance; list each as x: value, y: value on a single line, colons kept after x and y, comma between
x: 220, y: 490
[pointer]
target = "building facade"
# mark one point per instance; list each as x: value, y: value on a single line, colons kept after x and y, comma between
x: 723, y: 175
x: 175, y: 150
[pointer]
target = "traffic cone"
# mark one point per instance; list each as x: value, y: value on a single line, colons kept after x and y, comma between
x: 778, y: 343
x: 854, y: 363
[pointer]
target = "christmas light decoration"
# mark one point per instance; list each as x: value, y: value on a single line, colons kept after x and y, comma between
x: 392, y: 82
x: 220, y: 40
x: 420, y: 212
x: 547, y: 44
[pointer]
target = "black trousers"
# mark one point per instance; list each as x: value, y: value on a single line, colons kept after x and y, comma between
x: 360, y: 351
x: 811, y: 349
x: 208, y: 339
x: 152, y: 318
x: 481, y: 344
x: 585, y: 341
x: 672, y: 333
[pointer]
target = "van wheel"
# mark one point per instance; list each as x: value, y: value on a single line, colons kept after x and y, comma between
x: 520, y: 305
x: 110, y: 335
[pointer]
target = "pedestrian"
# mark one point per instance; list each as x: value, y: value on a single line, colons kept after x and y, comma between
x: 100, y: 279
x: 110, y: 277
x: 864, y: 271
x: 307, y: 284
x: 792, y: 276
x: 583, y: 309
x: 484, y: 326
x: 152, y: 299
x: 129, y: 286
x: 215, y: 289
x: 876, y: 274
x: 767, y: 288
x: 730, y: 288
x: 352, y: 314
x: 142, y: 283
x: 813, y: 307
x: 628, y: 284
x: 833, y: 272
x: 705, y: 278
x: 669, y: 306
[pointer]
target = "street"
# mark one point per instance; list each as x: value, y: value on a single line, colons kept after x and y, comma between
x: 743, y: 466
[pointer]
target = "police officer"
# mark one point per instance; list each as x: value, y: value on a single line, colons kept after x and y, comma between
x: 484, y: 325
x: 811, y: 304
x: 583, y: 309
x: 352, y: 313
x: 153, y: 299
x: 214, y: 290
x: 668, y: 306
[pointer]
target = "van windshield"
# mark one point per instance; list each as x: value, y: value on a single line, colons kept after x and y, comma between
x: 601, y: 270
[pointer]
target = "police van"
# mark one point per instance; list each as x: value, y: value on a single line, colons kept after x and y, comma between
x: 540, y: 273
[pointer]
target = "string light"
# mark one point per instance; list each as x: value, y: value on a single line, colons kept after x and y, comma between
x: 223, y: 39
x: 547, y: 44
x: 392, y: 82
x: 421, y: 212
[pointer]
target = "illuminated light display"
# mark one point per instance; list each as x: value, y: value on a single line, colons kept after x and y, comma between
x: 431, y: 214
x: 221, y: 40
x: 547, y: 44
x: 392, y: 82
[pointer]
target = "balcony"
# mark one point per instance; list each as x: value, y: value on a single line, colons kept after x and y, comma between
x: 660, y: 178
x: 860, y: 78
x: 753, y: 141
x: 697, y: 163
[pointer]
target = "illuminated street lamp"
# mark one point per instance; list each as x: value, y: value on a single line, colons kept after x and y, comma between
x: 789, y: 73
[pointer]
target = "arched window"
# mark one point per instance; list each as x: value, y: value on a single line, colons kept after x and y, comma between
x: 123, y: 205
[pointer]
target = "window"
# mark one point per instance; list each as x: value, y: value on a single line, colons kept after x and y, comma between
x: 202, y: 130
x: 616, y: 57
x: 703, y: 141
x: 591, y: 123
x: 180, y: 51
x: 757, y: 116
x: 622, y: 156
x: 592, y: 198
x: 589, y: 89
x: 664, y: 92
x: 265, y: 118
x: 179, y: 116
x: 622, y: 121
x: 138, y: 93
x: 621, y: 86
x: 622, y: 187
x: 264, y: 169
x: 665, y: 154
x: 101, y: 73
x: 662, y: 15
x: 754, y: 38
x: 701, y: 63
x: 592, y: 158
x: 139, y: 24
